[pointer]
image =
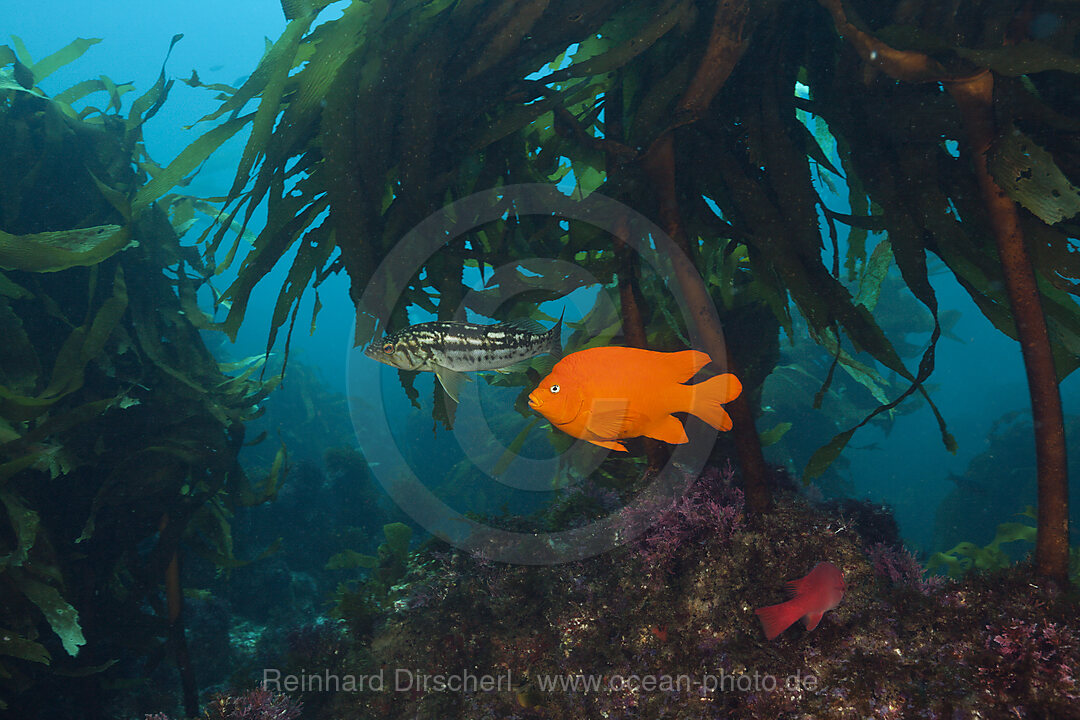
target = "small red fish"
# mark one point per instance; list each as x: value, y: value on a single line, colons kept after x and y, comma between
x: 813, y: 596
x: 607, y: 394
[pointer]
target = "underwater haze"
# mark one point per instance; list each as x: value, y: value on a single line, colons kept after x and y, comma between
x: 664, y: 358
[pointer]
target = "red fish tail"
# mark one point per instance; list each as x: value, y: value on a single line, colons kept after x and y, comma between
x: 775, y: 619
x: 707, y: 399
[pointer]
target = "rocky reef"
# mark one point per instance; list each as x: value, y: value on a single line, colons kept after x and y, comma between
x: 665, y: 627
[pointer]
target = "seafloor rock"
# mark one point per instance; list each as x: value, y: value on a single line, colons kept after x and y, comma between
x: 665, y: 627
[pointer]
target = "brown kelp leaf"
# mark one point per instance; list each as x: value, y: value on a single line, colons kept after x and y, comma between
x: 21, y: 76
x: 813, y: 148
x: 21, y: 53
x: 504, y: 39
x: 1055, y: 255
x: 214, y: 540
x: 269, y: 104
x: 398, y: 535
x: 14, y: 645
x: 147, y: 105
x: 72, y: 51
x: 1030, y: 176
x: 407, y: 378
x: 874, y: 273
x: 909, y: 254
x: 82, y: 345
x: 114, y: 94
x: 315, y: 311
x: 277, y: 474
x: 62, y: 617
x: 1063, y: 323
x: 299, y: 8
x: 24, y: 523
x: 60, y: 250
x: 657, y: 23
x: 189, y: 159
x: 278, y: 236
x: 282, y: 51
x: 443, y: 407
x: 350, y: 560
x: 87, y: 87
x: 863, y: 374
x: 310, y: 87
x: 1024, y: 58
x: 774, y: 434
x: 114, y: 197
x: 20, y: 369
x: 11, y: 289
x: 312, y: 256
x: 86, y: 343
x: 50, y: 458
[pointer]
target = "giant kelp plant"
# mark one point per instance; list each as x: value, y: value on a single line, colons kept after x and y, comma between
x: 689, y: 110
x: 119, y: 432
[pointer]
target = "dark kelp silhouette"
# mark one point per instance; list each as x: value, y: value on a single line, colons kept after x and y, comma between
x: 119, y: 432
x: 391, y: 110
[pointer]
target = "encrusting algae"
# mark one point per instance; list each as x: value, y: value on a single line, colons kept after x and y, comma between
x: 665, y: 626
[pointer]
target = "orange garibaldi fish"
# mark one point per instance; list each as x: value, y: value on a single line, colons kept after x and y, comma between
x: 607, y: 394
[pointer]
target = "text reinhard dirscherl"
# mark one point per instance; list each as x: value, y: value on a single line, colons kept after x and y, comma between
x: 468, y: 681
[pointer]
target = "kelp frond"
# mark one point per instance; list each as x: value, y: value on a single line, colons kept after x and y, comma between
x: 110, y: 404
x: 792, y: 158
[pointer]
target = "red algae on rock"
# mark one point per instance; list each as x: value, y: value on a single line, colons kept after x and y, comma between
x: 664, y: 626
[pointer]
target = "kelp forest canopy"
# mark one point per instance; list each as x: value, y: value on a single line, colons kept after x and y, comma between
x: 781, y: 141
x: 119, y: 430
x: 796, y: 150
